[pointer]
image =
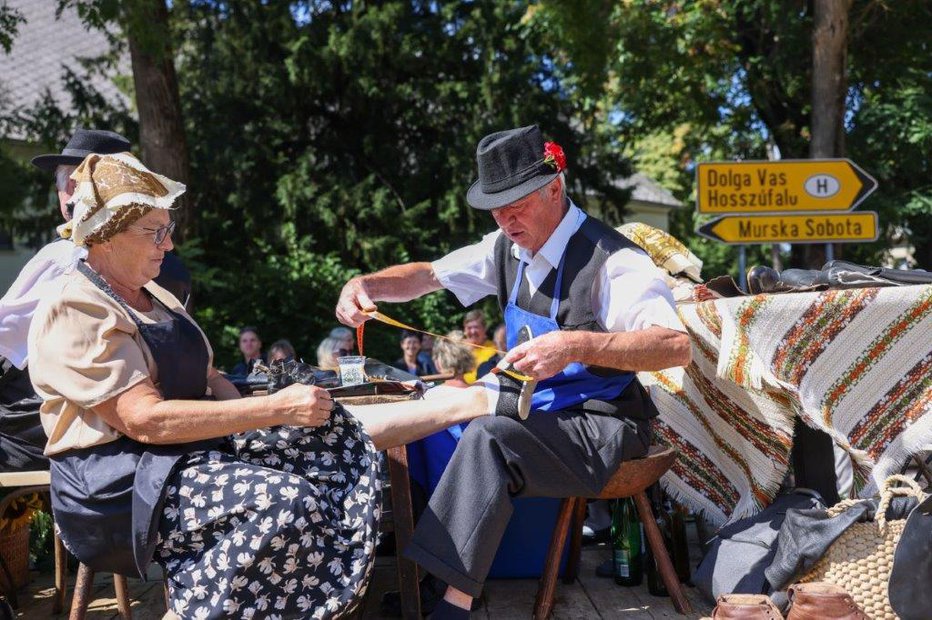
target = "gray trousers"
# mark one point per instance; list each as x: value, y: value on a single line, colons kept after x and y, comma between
x: 560, y: 454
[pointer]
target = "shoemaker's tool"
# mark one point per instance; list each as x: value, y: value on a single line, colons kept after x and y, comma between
x: 379, y: 316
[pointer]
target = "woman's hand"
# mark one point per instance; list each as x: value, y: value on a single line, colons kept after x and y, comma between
x: 304, y: 405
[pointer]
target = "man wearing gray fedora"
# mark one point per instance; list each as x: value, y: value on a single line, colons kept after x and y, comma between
x: 584, y: 310
x: 22, y: 439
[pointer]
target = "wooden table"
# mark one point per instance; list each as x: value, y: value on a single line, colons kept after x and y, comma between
x: 856, y: 364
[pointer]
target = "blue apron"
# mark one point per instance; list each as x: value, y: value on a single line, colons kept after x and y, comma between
x: 107, y: 499
x: 575, y: 384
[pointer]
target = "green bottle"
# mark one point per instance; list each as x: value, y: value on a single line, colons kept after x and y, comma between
x: 680, y: 543
x: 626, y: 543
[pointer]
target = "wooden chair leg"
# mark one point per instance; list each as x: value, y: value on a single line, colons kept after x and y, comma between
x: 548, y: 581
x: 403, y: 515
x: 61, y: 575
x: 655, y: 539
x: 122, y: 596
x: 572, y: 562
x: 83, y: 585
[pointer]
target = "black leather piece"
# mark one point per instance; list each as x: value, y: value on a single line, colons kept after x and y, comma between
x: 910, y: 595
x: 510, y: 403
x: 282, y: 373
x: 509, y: 391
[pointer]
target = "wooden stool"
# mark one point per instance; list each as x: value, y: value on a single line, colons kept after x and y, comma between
x: 25, y: 483
x: 630, y: 480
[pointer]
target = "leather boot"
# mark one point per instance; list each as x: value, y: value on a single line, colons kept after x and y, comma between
x: 762, y: 279
x: 822, y: 601
x: 745, y: 607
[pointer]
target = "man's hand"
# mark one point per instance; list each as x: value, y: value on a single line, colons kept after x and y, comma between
x: 542, y: 357
x: 653, y: 348
x: 354, y: 298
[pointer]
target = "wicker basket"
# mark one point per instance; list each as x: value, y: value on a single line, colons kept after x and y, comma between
x: 861, y: 559
x: 14, y: 547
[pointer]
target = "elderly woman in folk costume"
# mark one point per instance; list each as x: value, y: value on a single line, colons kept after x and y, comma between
x: 263, y: 506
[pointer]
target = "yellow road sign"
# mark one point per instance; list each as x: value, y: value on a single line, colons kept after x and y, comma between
x: 796, y: 228
x: 779, y: 186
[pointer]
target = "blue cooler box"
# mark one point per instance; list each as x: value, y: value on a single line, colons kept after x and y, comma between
x: 524, y: 546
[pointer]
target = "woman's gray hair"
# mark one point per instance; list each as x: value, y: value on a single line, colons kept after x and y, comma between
x: 62, y: 176
x: 453, y: 356
x: 326, y: 358
x: 341, y: 332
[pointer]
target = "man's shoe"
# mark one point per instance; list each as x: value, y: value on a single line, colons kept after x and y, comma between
x: 822, y: 601
x: 745, y: 607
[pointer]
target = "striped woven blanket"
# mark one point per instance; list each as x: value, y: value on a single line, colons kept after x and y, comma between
x: 855, y: 363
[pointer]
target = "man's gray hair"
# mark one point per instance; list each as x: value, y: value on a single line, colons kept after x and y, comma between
x: 562, y: 178
x: 62, y: 176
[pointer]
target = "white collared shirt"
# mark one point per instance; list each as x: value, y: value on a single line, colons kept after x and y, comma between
x: 628, y: 294
x: 37, y: 280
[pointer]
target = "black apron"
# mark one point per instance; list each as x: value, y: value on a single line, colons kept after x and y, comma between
x: 107, y: 499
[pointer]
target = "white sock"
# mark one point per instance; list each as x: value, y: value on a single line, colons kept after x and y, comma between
x: 490, y: 383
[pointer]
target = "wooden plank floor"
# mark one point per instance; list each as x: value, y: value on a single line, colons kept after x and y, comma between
x: 504, y: 599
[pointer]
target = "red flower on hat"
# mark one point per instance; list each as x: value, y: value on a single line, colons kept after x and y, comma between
x: 554, y: 156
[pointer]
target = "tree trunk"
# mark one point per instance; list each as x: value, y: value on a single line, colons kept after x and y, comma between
x: 161, y: 123
x: 829, y: 88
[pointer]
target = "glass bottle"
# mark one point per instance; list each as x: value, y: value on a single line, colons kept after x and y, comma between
x: 626, y: 543
x: 680, y: 543
x: 655, y: 583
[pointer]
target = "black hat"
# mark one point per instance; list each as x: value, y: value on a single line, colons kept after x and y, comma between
x: 83, y: 143
x: 511, y: 166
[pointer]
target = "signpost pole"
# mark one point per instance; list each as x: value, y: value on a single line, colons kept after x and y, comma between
x: 829, y: 252
x: 742, y: 268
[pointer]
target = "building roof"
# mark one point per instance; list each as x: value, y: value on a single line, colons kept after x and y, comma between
x: 40, y: 49
x: 645, y: 189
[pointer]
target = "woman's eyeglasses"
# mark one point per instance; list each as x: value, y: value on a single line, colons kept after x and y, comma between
x: 161, y: 233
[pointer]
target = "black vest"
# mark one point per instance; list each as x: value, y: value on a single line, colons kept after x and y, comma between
x: 586, y: 253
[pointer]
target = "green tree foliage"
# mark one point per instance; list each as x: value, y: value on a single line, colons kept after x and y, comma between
x: 10, y: 19
x: 713, y: 79
x: 328, y: 139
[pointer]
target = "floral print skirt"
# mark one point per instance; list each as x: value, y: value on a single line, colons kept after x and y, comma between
x: 282, y: 524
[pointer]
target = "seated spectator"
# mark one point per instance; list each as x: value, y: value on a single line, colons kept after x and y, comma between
x: 474, y: 328
x: 281, y: 350
x: 251, y: 347
x: 428, y: 457
x: 409, y: 361
x: 347, y: 339
x: 499, y: 339
x: 328, y: 351
x: 427, y: 349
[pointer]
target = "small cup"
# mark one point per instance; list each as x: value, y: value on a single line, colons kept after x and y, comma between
x: 352, y: 369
